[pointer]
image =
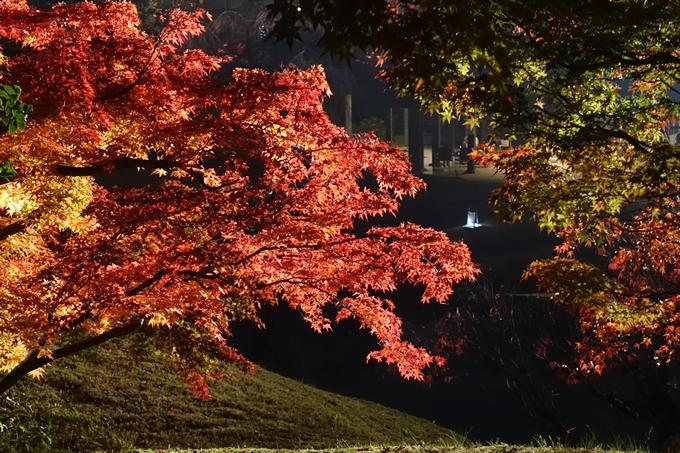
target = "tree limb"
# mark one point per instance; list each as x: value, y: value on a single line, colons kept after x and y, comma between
x: 117, y: 164
x: 32, y: 361
x: 145, y: 284
x: 12, y: 228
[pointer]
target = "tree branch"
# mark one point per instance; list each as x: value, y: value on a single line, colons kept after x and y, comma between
x: 145, y: 284
x: 137, y: 80
x: 612, y: 59
x: 12, y: 228
x: 117, y: 164
x: 32, y: 361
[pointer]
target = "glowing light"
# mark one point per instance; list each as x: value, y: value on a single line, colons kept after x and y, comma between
x: 472, y: 220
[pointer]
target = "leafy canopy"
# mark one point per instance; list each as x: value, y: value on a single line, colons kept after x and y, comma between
x: 590, y: 90
x: 252, y: 201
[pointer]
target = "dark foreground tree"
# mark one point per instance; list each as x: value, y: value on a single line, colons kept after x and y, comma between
x: 510, y: 335
x: 533, y: 345
x: 253, y: 200
x: 590, y: 90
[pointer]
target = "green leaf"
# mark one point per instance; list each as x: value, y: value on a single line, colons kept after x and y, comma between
x: 13, y: 113
x: 7, y: 171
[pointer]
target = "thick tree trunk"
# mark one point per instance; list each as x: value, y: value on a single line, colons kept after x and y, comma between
x: 32, y: 361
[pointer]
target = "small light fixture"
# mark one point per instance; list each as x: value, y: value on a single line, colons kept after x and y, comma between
x: 472, y: 220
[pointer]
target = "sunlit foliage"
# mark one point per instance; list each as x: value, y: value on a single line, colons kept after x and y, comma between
x: 252, y: 200
x: 588, y: 89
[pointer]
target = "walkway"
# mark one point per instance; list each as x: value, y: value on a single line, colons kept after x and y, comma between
x: 459, y: 170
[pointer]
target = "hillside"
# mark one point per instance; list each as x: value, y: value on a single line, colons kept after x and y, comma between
x: 105, y: 399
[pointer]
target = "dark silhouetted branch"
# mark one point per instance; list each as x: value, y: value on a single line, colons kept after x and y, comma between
x: 118, y: 164
x: 32, y: 361
x: 12, y: 228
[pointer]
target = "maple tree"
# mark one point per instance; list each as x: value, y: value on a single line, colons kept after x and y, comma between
x: 252, y: 200
x: 588, y: 89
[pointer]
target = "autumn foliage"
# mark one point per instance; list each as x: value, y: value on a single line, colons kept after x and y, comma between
x: 253, y: 198
x: 588, y: 90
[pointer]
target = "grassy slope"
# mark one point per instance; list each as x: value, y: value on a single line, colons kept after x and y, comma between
x: 100, y: 400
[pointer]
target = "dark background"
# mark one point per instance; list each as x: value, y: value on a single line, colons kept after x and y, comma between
x: 476, y: 401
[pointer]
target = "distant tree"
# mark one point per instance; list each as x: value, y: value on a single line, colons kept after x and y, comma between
x: 242, y: 30
x: 375, y: 125
x: 252, y: 202
x: 590, y: 88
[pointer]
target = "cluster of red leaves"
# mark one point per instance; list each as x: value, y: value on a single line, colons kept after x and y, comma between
x: 257, y: 206
x: 630, y: 309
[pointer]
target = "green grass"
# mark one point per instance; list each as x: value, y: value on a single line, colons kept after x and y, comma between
x: 108, y: 400
x: 102, y: 400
